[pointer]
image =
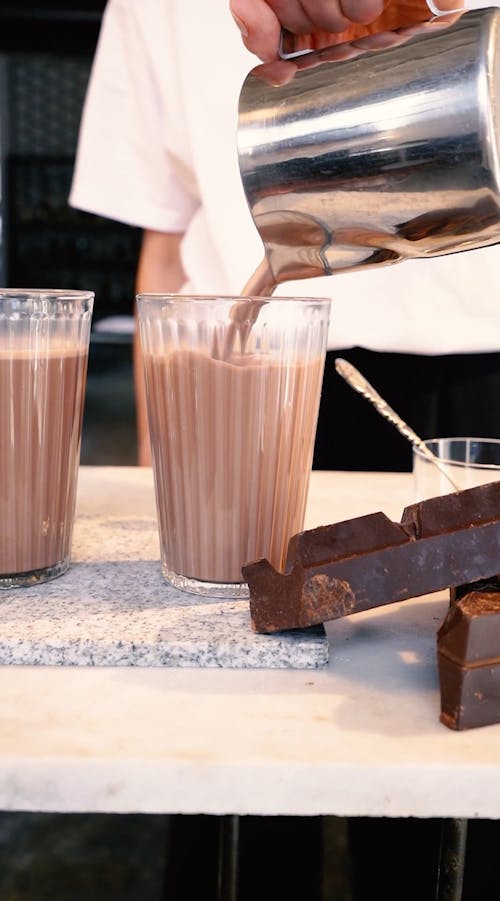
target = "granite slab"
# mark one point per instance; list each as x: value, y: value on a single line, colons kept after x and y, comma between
x: 113, y: 608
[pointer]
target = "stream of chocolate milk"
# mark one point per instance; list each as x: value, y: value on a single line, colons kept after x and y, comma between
x: 41, y: 404
x: 261, y: 283
x: 244, y: 312
x: 231, y: 488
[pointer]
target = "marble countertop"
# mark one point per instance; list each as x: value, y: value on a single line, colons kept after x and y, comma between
x: 360, y: 736
x: 113, y: 608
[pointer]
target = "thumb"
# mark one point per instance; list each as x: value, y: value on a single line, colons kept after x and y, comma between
x: 259, y: 27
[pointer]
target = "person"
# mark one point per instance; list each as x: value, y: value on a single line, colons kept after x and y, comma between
x: 157, y: 150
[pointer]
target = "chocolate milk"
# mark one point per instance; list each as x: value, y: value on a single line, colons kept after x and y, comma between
x: 231, y: 487
x: 41, y: 405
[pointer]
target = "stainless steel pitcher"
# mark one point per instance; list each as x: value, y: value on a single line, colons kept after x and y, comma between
x: 354, y: 157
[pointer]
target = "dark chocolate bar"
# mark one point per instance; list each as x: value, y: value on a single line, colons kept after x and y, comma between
x: 468, y: 653
x: 347, y: 567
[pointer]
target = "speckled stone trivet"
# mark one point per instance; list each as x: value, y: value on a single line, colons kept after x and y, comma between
x: 113, y: 608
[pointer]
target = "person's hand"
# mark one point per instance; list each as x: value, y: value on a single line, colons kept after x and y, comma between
x: 319, y: 23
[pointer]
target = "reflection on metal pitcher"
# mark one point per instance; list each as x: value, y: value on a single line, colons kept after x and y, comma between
x: 377, y: 151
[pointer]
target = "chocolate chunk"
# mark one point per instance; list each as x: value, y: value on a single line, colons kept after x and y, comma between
x: 491, y: 584
x: 347, y: 567
x: 468, y: 646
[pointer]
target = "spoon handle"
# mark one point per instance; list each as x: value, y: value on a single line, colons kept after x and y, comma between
x: 357, y: 381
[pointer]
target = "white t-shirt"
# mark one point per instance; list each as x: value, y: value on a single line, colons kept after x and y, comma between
x: 158, y: 150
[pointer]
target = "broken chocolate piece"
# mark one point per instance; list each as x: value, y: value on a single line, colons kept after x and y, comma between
x: 491, y: 584
x: 347, y: 567
x: 468, y: 644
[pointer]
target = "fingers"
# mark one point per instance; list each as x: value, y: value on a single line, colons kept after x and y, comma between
x: 362, y: 11
x: 324, y: 22
x: 306, y: 16
x: 260, y: 21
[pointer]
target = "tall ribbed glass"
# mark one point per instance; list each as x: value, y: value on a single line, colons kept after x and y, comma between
x: 233, y: 387
x: 44, y: 342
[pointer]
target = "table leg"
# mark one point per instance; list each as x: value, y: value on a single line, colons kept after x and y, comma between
x: 191, y: 857
x: 451, y: 860
x: 227, y: 882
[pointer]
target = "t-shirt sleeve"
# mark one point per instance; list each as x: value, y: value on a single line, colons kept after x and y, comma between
x: 124, y: 168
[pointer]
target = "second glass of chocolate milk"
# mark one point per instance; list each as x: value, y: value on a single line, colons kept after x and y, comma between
x: 44, y: 344
x: 233, y: 387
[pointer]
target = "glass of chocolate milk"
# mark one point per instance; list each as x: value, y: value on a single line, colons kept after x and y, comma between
x: 233, y: 387
x: 44, y: 341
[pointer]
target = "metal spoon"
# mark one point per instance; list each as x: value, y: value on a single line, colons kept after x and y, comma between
x: 357, y: 381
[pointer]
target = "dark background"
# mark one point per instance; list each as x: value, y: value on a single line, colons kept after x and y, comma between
x: 46, y: 51
x: 46, y: 55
